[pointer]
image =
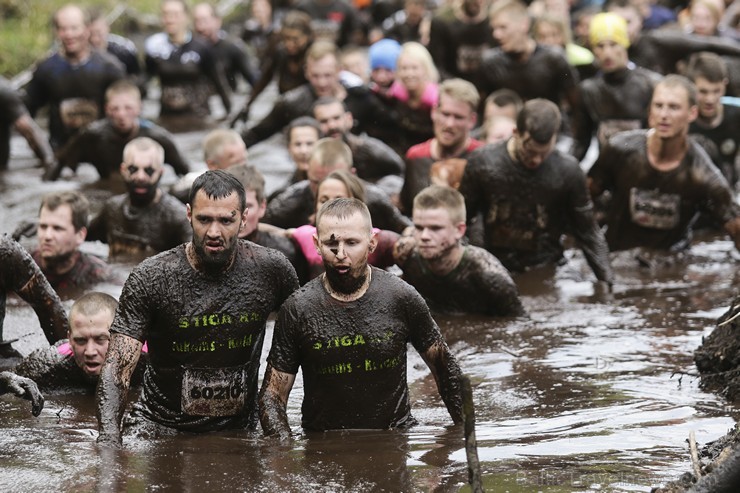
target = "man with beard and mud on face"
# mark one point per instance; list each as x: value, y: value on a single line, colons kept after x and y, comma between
x: 202, y: 307
x: 348, y: 330
x: 145, y: 220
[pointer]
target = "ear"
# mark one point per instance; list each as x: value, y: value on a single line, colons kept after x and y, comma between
x: 373, y: 242
x: 244, y: 215
x: 693, y: 113
x: 80, y: 236
x: 123, y: 167
x: 473, y: 121
x: 189, y: 212
x: 460, y: 229
x: 316, y: 242
x: 262, y: 209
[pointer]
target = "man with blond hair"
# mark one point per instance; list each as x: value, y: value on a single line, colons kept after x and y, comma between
x: 442, y: 158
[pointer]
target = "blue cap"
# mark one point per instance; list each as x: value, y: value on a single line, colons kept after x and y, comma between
x: 383, y: 54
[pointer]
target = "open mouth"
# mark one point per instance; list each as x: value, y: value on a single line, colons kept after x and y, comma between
x: 92, y: 367
x: 342, y: 269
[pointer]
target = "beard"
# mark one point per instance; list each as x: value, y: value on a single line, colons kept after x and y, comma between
x: 345, y: 283
x: 141, y: 199
x: 214, y: 262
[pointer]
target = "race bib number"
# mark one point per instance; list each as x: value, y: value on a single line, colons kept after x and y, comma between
x: 213, y: 391
x: 652, y: 209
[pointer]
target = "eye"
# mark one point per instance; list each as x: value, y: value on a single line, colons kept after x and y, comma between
x: 149, y: 171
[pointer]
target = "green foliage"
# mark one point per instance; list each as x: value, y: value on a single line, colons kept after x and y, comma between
x: 25, y: 28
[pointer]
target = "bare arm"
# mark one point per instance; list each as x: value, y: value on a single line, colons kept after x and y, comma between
x: 115, y: 379
x: 447, y: 374
x: 273, y: 401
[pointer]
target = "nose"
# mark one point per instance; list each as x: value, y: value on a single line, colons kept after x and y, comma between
x: 213, y: 230
x: 90, y: 349
x: 340, y: 254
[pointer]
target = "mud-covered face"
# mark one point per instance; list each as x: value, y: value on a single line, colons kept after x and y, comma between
x: 141, y: 173
x: 435, y: 233
x: 216, y: 224
x: 58, y: 239
x: 123, y: 110
x: 88, y: 337
x: 531, y: 153
x: 670, y: 112
x: 344, y: 245
x: 333, y: 119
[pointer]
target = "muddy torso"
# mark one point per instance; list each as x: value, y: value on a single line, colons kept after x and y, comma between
x: 204, y: 334
x: 102, y: 146
x: 726, y: 137
x: 525, y: 211
x: 545, y: 74
x: 135, y: 231
x: 654, y: 208
x: 75, y: 93
x: 87, y: 271
x: 479, y: 284
x: 353, y: 355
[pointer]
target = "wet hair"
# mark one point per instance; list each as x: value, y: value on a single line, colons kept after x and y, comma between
x: 540, y: 118
x: 344, y: 208
x: 707, y: 65
x: 505, y: 97
x: 144, y: 144
x: 461, y: 90
x: 514, y: 8
x: 329, y: 151
x: 321, y: 48
x: 71, y: 6
x: 674, y: 80
x: 218, y: 184
x: 417, y: 51
x: 298, y: 20
x: 77, y: 203
x: 215, y: 140
x: 354, y: 186
x: 250, y: 178
x: 441, y: 197
x: 302, y: 121
x: 122, y: 86
x: 93, y: 303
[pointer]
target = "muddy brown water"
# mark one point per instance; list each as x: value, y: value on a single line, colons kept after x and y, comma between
x: 581, y: 396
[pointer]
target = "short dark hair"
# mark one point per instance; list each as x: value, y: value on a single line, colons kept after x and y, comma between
x: 344, y: 208
x: 77, y: 203
x: 505, y: 97
x: 326, y: 101
x: 218, y: 184
x: 707, y: 65
x: 540, y: 118
x: 298, y: 20
x: 302, y: 121
x: 92, y: 303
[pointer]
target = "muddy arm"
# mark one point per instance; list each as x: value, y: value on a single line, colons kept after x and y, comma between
x: 447, y: 374
x: 24, y: 388
x: 273, y: 401
x: 115, y: 380
x: 29, y: 129
x: 48, y: 307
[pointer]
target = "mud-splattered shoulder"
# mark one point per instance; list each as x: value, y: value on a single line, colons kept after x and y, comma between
x: 629, y: 141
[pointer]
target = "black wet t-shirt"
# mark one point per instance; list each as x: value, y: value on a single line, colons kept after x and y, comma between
x: 204, y: 334
x: 353, y: 354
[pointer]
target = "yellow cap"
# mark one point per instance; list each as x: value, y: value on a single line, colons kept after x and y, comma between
x: 608, y: 26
